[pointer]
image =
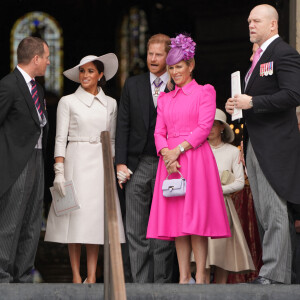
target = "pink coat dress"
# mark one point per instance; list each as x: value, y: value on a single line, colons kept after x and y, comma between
x: 187, y: 114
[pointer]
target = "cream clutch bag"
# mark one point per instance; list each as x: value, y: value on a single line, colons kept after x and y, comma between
x: 227, y: 177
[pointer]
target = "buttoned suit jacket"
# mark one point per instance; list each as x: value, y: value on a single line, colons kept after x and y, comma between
x: 19, y: 127
x: 271, y: 124
x: 133, y: 120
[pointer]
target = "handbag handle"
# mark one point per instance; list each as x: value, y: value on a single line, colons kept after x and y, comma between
x: 177, y: 172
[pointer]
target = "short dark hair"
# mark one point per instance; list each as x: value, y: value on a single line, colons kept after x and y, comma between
x: 100, y: 67
x: 160, y: 38
x: 28, y: 48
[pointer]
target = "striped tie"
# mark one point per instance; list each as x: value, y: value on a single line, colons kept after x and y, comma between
x: 35, y: 98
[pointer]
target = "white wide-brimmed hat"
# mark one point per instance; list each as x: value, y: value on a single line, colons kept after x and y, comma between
x: 110, y: 62
x: 228, y: 132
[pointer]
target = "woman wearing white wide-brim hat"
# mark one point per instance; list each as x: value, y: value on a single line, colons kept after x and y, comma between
x: 231, y: 254
x: 78, y: 157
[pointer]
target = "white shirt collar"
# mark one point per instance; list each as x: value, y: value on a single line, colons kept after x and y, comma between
x: 265, y: 45
x: 25, y: 75
x: 164, y: 77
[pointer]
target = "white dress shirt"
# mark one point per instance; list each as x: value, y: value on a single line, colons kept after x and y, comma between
x: 43, y: 121
x: 164, y: 77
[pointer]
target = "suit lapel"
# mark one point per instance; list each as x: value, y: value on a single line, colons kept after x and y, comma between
x: 264, y: 58
x: 27, y: 96
x: 144, y: 96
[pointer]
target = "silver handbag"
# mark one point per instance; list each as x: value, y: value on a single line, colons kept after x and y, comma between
x: 174, y: 187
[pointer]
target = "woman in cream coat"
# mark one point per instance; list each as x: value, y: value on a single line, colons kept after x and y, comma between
x: 78, y: 157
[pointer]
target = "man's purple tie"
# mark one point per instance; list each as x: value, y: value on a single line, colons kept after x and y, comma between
x: 35, y: 98
x: 254, y: 62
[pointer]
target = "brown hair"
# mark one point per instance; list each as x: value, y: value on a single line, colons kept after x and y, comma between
x: 28, y: 48
x: 100, y: 68
x: 160, y: 38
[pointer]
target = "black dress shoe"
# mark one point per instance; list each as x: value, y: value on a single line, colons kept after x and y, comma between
x: 263, y: 280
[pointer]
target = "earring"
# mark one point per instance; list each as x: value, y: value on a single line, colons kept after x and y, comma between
x: 221, y: 132
x: 99, y: 79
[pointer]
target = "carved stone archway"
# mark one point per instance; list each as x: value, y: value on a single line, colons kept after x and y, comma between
x: 41, y: 25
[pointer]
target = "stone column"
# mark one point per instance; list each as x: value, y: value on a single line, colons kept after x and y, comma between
x: 294, y: 34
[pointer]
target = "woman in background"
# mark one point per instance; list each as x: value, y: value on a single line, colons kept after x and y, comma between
x: 230, y: 254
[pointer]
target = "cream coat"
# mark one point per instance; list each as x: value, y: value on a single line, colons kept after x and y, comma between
x: 80, y: 119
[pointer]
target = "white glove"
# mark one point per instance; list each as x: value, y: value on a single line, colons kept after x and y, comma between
x: 59, y: 180
x: 122, y: 176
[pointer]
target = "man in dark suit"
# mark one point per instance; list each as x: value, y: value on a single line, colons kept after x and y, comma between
x: 272, y: 140
x: 23, y: 134
x: 137, y: 160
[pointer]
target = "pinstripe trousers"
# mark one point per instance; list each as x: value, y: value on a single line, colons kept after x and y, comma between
x: 273, y: 223
x: 151, y: 260
x: 20, y: 222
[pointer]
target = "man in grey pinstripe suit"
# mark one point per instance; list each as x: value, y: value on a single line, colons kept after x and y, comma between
x: 23, y: 135
x: 272, y: 141
x: 150, y: 260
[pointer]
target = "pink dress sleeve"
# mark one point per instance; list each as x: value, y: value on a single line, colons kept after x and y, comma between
x: 207, y: 110
x: 160, y: 133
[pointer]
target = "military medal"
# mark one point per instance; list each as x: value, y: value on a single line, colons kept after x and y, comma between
x: 266, y: 73
x: 261, y: 72
x: 157, y: 83
x: 271, y: 68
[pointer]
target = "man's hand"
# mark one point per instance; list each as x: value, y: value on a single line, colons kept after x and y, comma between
x: 241, y: 101
x: 229, y: 105
x: 123, y: 174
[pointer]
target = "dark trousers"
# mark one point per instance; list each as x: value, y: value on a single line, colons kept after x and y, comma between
x: 295, y: 213
x: 151, y: 260
x: 20, y: 222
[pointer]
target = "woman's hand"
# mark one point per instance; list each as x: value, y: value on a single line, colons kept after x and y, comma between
x: 171, y: 156
x: 173, y: 168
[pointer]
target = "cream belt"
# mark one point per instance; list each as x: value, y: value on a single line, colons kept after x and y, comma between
x: 90, y: 139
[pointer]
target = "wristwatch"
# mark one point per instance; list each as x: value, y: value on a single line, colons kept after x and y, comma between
x: 181, y: 148
x: 251, y: 103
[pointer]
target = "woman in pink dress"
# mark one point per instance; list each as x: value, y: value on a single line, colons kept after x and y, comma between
x: 184, y: 119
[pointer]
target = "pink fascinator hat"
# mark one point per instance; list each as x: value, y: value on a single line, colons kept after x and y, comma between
x: 182, y: 48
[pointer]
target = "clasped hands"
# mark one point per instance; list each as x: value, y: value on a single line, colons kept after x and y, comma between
x: 241, y: 101
x: 123, y: 174
x: 170, y: 159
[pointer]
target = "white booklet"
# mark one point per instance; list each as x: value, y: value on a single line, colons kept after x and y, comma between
x: 236, y: 89
x: 64, y: 205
